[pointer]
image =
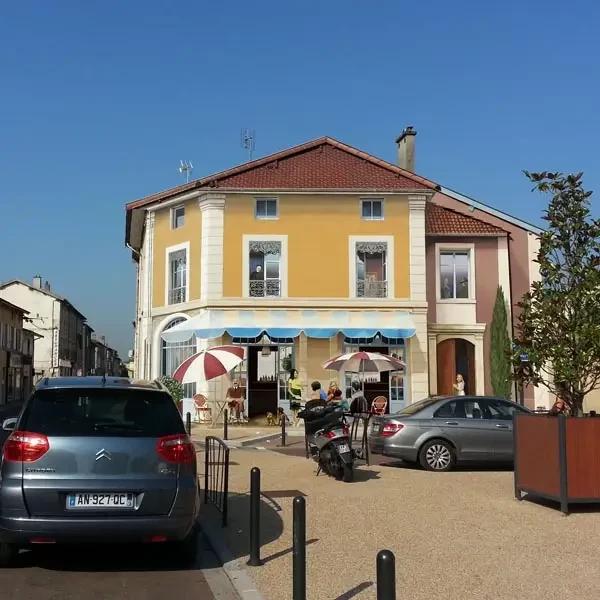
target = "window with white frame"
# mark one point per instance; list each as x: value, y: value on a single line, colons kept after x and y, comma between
x: 371, y: 270
x: 174, y: 353
x: 371, y: 209
x: 264, y: 267
x: 455, y: 269
x: 177, y: 276
x: 266, y: 208
x: 177, y: 217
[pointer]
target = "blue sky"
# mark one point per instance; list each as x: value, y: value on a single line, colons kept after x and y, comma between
x: 100, y: 101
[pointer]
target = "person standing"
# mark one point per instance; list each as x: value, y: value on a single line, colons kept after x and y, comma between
x: 295, y: 394
x: 459, y: 386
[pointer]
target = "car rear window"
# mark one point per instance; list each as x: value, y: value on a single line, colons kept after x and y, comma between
x: 101, y: 412
x: 413, y: 409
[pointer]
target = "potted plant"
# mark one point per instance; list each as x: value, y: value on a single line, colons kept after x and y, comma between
x: 558, y: 347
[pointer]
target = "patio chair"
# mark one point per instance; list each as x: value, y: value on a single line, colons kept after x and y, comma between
x: 379, y: 405
x: 203, y: 412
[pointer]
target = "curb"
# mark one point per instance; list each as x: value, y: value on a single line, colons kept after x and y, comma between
x: 234, y: 569
x: 255, y: 440
x: 243, y: 442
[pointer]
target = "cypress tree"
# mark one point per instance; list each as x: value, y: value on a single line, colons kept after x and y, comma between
x: 500, y: 362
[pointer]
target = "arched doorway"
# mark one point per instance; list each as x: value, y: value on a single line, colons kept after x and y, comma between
x: 455, y: 356
x: 172, y: 354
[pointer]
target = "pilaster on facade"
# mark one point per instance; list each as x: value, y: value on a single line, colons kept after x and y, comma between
x: 302, y: 363
x: 479, y: 364
x: 416, y: 220
x: 212, y: 206
x: 143, y: 365
x: 433, y: 368
x: 418, y: 359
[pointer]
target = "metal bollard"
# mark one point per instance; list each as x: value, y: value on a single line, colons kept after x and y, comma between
x: 283, y: 420
x: 299, y: 549
x: 188, y: 423
x: 225, y: 423
x: 255, y: 560
x: 386, y: 575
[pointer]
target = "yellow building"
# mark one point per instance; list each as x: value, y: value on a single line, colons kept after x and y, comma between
x: 299, y: 256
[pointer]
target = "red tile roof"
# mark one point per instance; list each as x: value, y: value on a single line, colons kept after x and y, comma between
x: 321, y: 164
x: 445, y: 221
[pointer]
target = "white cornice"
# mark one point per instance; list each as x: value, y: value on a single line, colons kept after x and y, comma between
x: 299, y: 303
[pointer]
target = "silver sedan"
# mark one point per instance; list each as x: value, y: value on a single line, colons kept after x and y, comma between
x: 439, y: 432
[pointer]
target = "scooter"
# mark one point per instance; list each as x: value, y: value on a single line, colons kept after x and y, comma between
x: 328, y: 439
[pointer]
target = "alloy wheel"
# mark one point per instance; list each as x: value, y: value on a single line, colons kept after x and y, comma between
x: 438, y: 457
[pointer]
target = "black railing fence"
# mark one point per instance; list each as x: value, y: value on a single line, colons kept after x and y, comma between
x: 216, y: 474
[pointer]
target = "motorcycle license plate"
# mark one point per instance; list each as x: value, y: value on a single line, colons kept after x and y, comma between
x: 343, y: 448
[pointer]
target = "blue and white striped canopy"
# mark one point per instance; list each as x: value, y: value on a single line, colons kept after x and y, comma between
x: 280, y: 324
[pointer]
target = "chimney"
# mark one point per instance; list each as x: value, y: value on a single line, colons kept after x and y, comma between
x: 37, y: 282
x: 406, y: 149
x: 47, y: 286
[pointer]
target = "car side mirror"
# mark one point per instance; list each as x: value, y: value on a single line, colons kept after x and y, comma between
x: 10, y: 424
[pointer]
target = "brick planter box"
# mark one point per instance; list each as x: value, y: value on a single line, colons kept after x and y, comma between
x: 557, y: 458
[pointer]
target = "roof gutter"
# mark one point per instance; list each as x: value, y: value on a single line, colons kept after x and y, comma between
x: 175, y: 201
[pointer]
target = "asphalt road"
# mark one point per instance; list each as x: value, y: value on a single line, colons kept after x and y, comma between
x: 99, y: 572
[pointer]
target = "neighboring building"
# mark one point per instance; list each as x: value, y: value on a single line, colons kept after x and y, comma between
x: 104, y: 359
x: 318, y: 250
x: 16, y: 353
x: 58, y: 325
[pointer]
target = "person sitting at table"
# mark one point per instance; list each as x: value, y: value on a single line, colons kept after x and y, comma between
x: 340, y: 400
x: 235, y: 402
x: 333, y: 386
x: 317, y: 393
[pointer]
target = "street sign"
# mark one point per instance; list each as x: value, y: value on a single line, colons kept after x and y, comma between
x: 522, y: 355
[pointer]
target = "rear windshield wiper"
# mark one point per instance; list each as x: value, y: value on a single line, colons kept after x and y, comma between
x: 119, y: 426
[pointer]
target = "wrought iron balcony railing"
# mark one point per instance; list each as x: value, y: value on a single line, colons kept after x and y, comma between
x: 371, y: 289
x: 265, y: 288
x: 177, y: 295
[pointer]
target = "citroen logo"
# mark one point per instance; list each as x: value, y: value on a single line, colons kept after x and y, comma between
x: 103, y: 454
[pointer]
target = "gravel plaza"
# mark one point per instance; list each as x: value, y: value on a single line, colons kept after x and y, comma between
x: 460, y: 534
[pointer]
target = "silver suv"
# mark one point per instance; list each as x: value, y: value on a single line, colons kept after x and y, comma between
x: 94, y: 459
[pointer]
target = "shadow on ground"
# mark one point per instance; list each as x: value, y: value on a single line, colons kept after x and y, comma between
x: 108, y: 558
x: 355, y: 591
x: 554, y: 506
x: 237, y: 531
x: 383, y: 461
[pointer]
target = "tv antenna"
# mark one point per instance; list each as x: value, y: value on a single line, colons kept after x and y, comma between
x: 186, y: 169
x: 248, y: 139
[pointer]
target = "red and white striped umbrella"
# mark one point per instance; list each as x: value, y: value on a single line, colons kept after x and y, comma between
x: 209, y: 364
x: 364, y: 362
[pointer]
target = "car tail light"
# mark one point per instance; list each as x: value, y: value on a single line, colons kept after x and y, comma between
x: 390, y: 429
x: 156, y: 538
x: 176, y: 449
x: 24, y: 446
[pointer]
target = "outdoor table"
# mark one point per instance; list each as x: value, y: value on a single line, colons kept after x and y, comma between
x: 220, y: 406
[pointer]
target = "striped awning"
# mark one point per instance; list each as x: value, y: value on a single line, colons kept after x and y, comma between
x: 280, y: 324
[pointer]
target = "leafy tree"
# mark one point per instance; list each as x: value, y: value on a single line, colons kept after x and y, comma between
x: 175, y: 388
x: 559, y: 323
x: 500, y: 364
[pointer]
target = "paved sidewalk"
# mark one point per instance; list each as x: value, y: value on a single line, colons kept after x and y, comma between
x: 461, y: 535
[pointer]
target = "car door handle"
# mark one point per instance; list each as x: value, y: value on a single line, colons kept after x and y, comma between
x: 502, y: 426
x: 451, y: 422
